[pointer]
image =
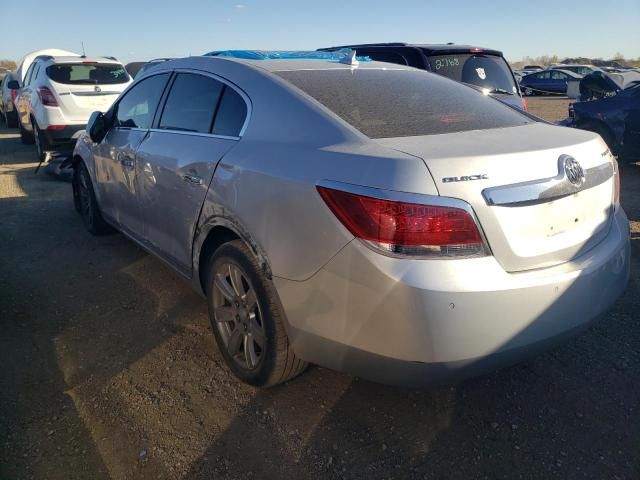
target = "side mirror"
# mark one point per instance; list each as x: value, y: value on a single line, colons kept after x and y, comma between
x: 97, y: 127
x: 13, y: 85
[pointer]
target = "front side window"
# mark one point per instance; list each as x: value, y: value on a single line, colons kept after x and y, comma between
x: 27, y: 77
x: 231, y: 115
x: 191, y: 104
x: 88, y: 73
x: 401, y: 103
x: 137, y: 107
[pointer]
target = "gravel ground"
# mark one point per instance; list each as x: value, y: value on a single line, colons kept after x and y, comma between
x: 110, y: 371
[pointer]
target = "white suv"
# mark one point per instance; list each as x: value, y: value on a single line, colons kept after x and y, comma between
x: 60, y: 93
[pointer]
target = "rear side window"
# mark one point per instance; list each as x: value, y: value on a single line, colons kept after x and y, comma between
x: 231, y: 115
x: 137, y: 107
x: 486, y: 71
x: 401, y: 103
x: 88, y: 73
x: 191, y: 104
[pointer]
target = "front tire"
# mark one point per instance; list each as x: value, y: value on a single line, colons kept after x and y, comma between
x: 85, y: 202
x: 247, y: 319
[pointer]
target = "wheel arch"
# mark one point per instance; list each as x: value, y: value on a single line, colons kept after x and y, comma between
x: 212, y: 234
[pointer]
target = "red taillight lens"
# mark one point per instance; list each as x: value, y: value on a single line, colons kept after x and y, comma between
x: 406, y: 228
x: 55, y: 127
x: 524, y: 104
x: 46, y: 97
x: 14, y: 94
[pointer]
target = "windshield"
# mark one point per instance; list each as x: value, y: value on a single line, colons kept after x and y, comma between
x: 88, y: 73
x: 486, y: 71
x: 385, y: 103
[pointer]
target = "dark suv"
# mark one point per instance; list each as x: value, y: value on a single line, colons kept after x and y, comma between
x: 482, y: 68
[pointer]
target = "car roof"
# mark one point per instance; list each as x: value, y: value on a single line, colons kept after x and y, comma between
x: 276, y: 65
x: 78, y: 59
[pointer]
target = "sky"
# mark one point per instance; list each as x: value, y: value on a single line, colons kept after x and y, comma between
x: 143, y: 29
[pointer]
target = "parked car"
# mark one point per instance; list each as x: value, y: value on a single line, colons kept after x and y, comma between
x: 60, y: 93
x: 547, y: 82
x: 581, y: 70
x: 481, y: 68
x: 151, y: 63
x: 386, y: 222
x: 610, y: 107
x: 532, y: 67
x: 7, y: 99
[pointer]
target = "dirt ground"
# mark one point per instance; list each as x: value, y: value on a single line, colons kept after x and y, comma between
x: 109, y: 370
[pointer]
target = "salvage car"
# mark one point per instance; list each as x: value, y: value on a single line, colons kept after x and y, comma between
x: 609, y: 104
x: 400, y: 234
x: 8, y: 98
x: 547, y: 82
x: 483, y: 68
x: 60, y: 93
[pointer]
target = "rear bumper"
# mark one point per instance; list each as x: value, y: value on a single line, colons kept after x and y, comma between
x: 65, y: 138
x: 418, y: 322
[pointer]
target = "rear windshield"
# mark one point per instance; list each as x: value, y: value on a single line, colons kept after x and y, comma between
x: 88, y: 74
x: 486, y: 71
x: 384, y: 103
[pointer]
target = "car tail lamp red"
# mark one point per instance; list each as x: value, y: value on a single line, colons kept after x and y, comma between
x: 46, y: 97
x: 406, y: 229
x: 524, y: 104
x: 14, y: 94
x: 55, y: 127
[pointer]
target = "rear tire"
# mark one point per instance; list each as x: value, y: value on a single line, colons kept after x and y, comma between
x: 11, y: 119
x: 25, y: 137
x: 247, y: 319
x: 85, y: 202
x: 41, y: 144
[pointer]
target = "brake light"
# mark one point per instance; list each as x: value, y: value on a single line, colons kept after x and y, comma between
x: 46, y: 97
x: 524, y: 104
x: 14, y: 94
x: 55, y: 127
x: 475, y: 49
x: 406, y: 228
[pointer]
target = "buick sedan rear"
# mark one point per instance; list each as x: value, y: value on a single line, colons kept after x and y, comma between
x: 369, y: 218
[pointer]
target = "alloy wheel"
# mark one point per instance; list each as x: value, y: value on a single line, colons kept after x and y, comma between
x: 238, y: 317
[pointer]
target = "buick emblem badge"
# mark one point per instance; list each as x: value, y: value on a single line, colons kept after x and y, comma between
x: 573, y: 170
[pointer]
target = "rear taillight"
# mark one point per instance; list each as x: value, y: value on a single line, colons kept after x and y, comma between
x: 408, y: 229
x: 524, y: 104
x: 14, y: 94
x: 46, y: 97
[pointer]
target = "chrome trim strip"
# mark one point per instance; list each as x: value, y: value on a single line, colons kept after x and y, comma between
x: 194, y: 134
x: 547, y: 189
x: 417, y: 198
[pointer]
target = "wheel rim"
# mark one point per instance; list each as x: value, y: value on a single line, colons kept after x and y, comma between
x: 85, y: 199
x: 238, y: 317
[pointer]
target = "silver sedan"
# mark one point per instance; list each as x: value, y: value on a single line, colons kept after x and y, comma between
x: 370, y: 217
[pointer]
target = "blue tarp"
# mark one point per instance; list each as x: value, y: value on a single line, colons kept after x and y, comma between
x: 286, y: 55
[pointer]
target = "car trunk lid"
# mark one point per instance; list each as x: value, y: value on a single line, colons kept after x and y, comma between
x: 517, y: 181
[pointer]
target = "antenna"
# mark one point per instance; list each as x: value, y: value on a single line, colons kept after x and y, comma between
x: 83, y: 53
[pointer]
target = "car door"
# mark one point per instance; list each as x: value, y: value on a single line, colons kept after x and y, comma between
x: 115, y: 156
x: 558, y: 82
x: 202, y: 119
x: 23, y: 99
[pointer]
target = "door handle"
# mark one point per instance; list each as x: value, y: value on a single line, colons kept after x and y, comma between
x: 127, y: 162
x: 192, y: 179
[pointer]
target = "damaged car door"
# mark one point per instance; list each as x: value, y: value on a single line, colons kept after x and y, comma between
x: 201, y: 120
